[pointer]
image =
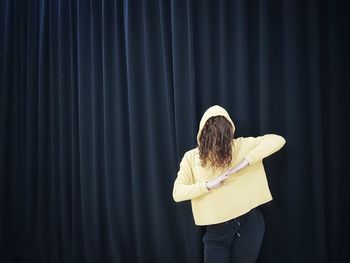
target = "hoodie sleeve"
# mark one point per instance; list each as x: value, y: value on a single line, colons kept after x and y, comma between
x: 184, y: 187
x: 262, y: 146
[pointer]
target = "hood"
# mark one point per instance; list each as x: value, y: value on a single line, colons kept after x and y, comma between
x: 215, y: 110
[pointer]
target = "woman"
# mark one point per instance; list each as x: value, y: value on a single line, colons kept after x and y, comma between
x: 225, y: 180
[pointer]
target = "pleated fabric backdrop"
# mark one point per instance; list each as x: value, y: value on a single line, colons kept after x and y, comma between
x: 99, y: 100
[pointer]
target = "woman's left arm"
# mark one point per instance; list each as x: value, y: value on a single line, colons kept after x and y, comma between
x: 262, y: 146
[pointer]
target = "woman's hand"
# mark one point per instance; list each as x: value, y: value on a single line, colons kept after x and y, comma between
x: 218, y: 181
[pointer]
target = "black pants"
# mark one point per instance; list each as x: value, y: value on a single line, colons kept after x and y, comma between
x: 237, y: 241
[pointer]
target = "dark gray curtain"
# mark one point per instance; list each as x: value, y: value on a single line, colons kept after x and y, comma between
x: 99, y: 100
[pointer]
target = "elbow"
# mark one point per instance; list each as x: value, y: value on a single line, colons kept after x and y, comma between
x: 176, y: 196
x: 278, y: 140
x: 282, y: 141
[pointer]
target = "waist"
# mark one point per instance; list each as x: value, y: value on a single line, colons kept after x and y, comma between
x: 239, y: 220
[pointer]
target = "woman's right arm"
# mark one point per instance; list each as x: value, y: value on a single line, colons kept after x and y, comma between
x: 184, y: 186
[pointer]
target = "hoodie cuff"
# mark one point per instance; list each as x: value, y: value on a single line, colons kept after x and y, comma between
x: 203, y: 187
x: 250, y: 158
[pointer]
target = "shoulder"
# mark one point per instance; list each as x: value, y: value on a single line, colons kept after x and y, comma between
x: 190, y: 154
x: 237, y: 141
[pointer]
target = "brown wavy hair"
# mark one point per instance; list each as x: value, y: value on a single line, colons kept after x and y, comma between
x: 215, y: 145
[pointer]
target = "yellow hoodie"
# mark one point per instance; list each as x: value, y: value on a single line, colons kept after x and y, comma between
x: 241, y: 192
